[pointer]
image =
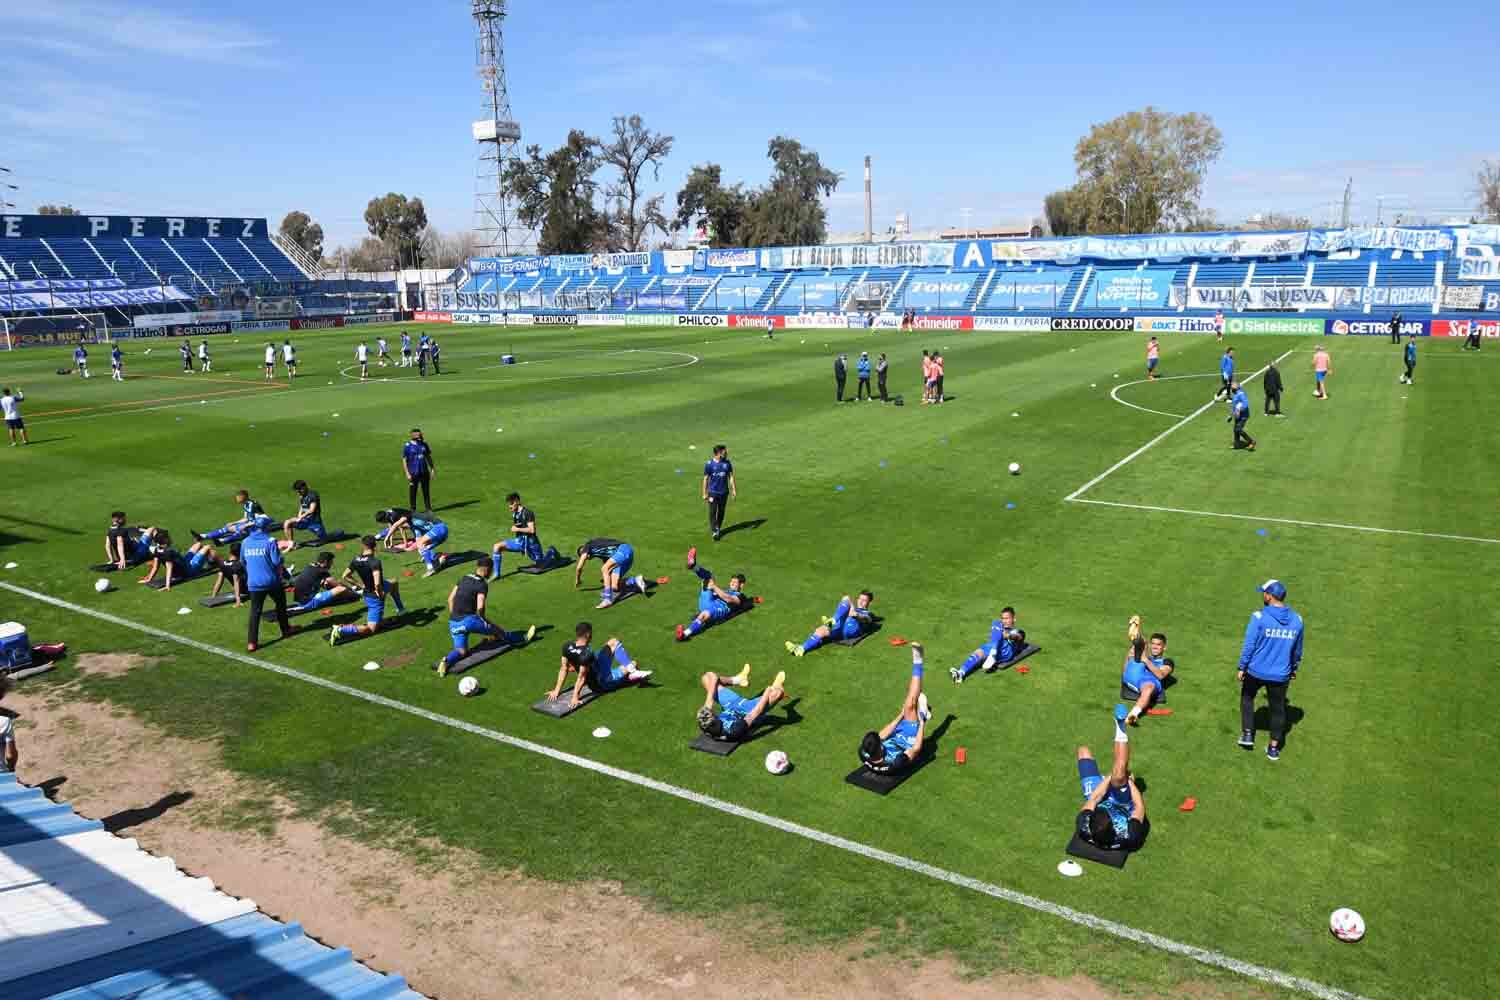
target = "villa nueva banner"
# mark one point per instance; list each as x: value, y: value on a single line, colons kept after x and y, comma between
x: 1280, y: 297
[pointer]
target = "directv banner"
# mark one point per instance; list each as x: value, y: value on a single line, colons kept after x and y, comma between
x: 1175, y: 324
x: 1093, y: 323
x: 1023, y: 293
x: 1278, y: 297
x: 132, y: 226
x: 858, y: 255
x: 1363, y: 327
x: 1151, y: 247
x: 1378, y: 238
x: 1013, y: 323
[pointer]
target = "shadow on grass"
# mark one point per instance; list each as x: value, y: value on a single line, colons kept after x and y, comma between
x: 127, y: 818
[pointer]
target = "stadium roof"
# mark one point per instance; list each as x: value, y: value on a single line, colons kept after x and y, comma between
x: 90, y: 912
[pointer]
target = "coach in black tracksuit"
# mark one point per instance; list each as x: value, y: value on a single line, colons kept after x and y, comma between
x: 1395, y: 328
x: 1272, y: 384
x: 840, y: 375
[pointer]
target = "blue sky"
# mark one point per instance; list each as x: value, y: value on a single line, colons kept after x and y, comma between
x: 258, y: 109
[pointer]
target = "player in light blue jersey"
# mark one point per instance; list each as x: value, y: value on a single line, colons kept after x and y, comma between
x: 1239, y: 412
x: 1113, y: 816
x: 715, y: 604
x: 1004, y: 645
x: 1145, y: 673
x: 899, y: 743
x: 728, y: 715
x: 850, y: 618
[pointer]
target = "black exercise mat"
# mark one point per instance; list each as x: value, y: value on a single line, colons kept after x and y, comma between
x: 885, y: 782
x: 1080, y: 848
x: 719, y: 748
x: 858, y: 638
x: 1027, y: 650
x: 483, y: 653
x: 562, y: 706
x: 332, y: 538
x: 160, y: 583
x: 221, y: 601
x: 536, y: 569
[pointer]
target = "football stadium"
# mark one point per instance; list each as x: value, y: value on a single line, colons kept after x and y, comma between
x: 620, y: 598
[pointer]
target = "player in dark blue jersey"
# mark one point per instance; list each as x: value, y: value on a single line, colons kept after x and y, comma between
x: 1004, y: 645
x: 523, y: 538
x: 232, y: 571
x: 116, y: 364
x: 125, y: 544
x: 174, y: 565
x: 367, y: 576
x: 618, y: 557
x: 1114, y: 813
x: 309, y: 512
x: 718, y: 488
x: 728, y: 715
x: 605, y: 669
x: 849, y: 619
x: 430, y: 533
x: 237, y: 529
x: 899, y: 742
x: 715, y: 604
x: 466, y: 606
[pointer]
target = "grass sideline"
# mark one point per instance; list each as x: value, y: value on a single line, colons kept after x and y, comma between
x: 922, y: 520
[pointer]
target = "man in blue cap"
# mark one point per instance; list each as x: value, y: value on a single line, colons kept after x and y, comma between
x: 1269, y: 659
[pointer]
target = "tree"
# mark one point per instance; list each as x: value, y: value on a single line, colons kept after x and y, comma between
x: 555, y: 195
x: 630, y: 150
x: 789, y: 211
x: 705, y: 199
x: 1066, y: 213
x: 398, y: 222
x: 370, y: 254
x: 1283, y: 220
x: 299, y: 228
x: 1143, y: 172
x: 440, y: 250
x: 1489, y: 190
x: 57, y: 210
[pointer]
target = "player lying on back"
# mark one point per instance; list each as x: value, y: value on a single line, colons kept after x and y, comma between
x: 1145, y: 673
x: 618, y: 558
x: 367, y: 575
x: 849, y: 619
x: 173, y: 564
x: 125, y: 544
x: 715, y: 604
x: 1005, y: 644
x: 238, y: 529
x: 1114, y: 814
x: 605, y: 669
x: 466, y: 606
x: 899, y: 742
x: 728, y: 715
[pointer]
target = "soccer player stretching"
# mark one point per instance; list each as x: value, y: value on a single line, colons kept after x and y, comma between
x: 605, y: 669
x: 466, y: 617
x: 849, y: 619
x: 715, y: 604
x: 897, y: 744
x: 729, y: 716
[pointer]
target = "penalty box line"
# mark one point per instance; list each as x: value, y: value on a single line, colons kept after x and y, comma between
x: 1160, y: 438
x: 1079, y: 917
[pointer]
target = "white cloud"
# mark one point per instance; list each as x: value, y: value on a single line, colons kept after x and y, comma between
x: 107, y: 30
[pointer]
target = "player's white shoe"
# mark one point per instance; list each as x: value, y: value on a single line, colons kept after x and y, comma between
x: 924, y: 711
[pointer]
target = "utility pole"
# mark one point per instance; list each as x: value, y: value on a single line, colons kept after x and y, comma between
x: 1348, y: 194
x: 869, y: 206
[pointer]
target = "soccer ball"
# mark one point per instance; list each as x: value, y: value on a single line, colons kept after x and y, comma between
x: 1346, y: 924
x: 468, y: 686
x: 777, y: 762
x: 1015, y: 468
x: 101, y: 585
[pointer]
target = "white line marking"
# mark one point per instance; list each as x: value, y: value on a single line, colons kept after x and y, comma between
x: 1288, y: 520
x: 1143, y: 381
x: 1154, y: 441
x: 1202, y: 955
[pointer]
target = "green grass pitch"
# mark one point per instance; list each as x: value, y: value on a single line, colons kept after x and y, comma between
x: 1382, y: 800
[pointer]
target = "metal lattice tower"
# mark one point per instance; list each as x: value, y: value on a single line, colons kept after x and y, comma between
x: 497, y: 232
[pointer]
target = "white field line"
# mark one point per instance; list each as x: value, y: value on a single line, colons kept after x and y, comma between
x: 1203, y: 955
x: 1143, y: 381
x: 1294, y: 521
x: 1156, y: 440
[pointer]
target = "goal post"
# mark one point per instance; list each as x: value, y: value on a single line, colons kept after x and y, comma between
x: 43, y: 331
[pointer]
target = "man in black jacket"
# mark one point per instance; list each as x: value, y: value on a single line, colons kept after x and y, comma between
x: 840, y: 373
x: 880, y: 369
x: 1272, y: 384
x: 1395, y: 328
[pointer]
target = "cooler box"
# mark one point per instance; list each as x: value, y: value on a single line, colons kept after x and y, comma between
x: 15, y: 647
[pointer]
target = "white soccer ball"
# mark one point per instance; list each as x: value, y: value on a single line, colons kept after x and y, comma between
x: 468, y: 686
x: 1015, y: 468
x: 1346, y: 924
x: 777, y: 762
x: 101, y: 585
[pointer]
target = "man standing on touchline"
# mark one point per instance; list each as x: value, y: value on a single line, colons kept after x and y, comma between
x: 1269, y: 658
x: 718, y: 488
x: 262, y: 558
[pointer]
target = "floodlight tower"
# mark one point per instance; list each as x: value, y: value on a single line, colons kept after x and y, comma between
x: 497, y: 232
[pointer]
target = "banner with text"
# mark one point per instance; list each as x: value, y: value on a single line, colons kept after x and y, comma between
x: 1363, y: 327
x: 1378, y: 238
x: 858, y: 255
x: 129, y: 226
x: 1145, y: 289
x: 1029, y: 324
x: 1154, y: 247
x: 1272, y: 324
x: 1463, y: 297
x: 54, y: 298
x: 1465, y: 327
x: 1285, y: 298
x: 1175, y: 324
